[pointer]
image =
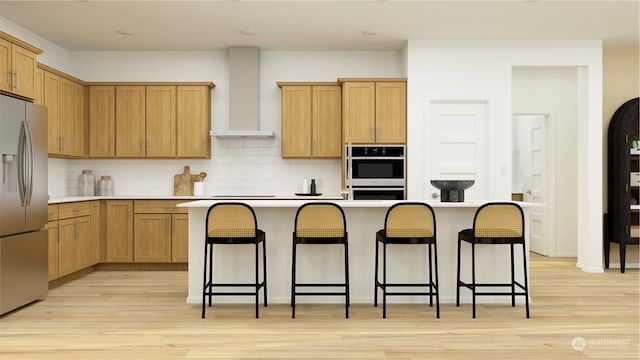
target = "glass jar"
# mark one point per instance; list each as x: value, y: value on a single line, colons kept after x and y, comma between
x: 105, y: 186
x: 86, y: 184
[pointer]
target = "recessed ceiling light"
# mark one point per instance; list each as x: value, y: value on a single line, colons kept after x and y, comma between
x: 369, y: 33
x: 247, y: 32
x: 124, y: 32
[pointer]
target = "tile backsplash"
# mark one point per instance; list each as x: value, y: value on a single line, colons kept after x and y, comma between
x: 237, y: 166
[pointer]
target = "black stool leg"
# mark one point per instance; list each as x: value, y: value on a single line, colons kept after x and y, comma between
x: 210, y: 273
x: 513, y: 278
x: 264, y: 269
x: 204, y: 279
x: 473, y: 276
x: 346, y: 278
x: 257, y: 280
x: 526, y: 279
x: 384, y: 280
x: 430, y: 279
x: 293, y: 282
x: 458, y: 275
x: 375, y: 281
x: 435, y: 249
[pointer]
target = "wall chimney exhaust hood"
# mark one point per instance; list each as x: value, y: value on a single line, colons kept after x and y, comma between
x: 244, y: 95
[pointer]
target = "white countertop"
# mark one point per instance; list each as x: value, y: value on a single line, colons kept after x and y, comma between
x: 66, y: 199
x: 284, y: 203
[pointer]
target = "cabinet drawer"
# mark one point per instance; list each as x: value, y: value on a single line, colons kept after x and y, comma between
x: 52, y: 212
x: 75, y: 209
x: 159, y: 207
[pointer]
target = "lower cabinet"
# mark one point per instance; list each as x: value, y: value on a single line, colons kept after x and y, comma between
x: 52, y: 227
x: 71, y: 240
x: 83, y: 234
x: 180, y: 238
x: 152, y: 237
x: 118, y: 231
x: 160, y: 231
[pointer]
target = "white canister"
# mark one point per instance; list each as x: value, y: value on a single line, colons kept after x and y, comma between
x: 305, y: 187
x: 198, y: 188
x: 105, y: 186
x: 86, y: 184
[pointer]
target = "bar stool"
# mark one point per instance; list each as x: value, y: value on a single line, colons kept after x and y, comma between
x: 232, y: 223
x: 495, y: 223
x: 405, y: 224
x: 320, y: 223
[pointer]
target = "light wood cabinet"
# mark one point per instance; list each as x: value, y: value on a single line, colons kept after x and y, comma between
x: 295, y: 123
x: 74, y: 245
x: 193, y: 121
x: 130, y: 121
x: 5, y: 66
x: 52, y: 227
x: 391, y: 112
x: 179, y: 238
x: 52, y: 102
x: 65, y: 117
x: 102, y: 121
x: 152, y: 238
x: 143, y: 120
x: 18, y: 66
x: 161, y: 121
x: 96, y: 232
x: 160, y: 231
x: 64, y: 100
x: 79, y: 120
x: 83, y: 242
x: 67, y: 230
x: 311, y: 120
x: 39, y: 99
x: 118, y: 231
x: 374, y: 111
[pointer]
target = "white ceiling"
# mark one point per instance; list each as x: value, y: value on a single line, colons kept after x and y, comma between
x: 318, y: 25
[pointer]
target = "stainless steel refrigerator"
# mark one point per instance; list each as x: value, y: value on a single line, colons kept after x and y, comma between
x: 23, y: 203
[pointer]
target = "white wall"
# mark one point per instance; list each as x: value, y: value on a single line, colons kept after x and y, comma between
x: 554, y: 91
x: 482, y: 70
x: 237, y: 165
x: 53, y: 55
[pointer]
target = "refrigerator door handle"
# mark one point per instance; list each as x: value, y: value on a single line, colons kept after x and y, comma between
x: 30, y: 160
x: 25, y: 164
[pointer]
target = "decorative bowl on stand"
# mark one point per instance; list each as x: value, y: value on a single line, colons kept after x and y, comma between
x: 452, y: 190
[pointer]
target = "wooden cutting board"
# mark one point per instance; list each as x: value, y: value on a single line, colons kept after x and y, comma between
x: 183, y: 183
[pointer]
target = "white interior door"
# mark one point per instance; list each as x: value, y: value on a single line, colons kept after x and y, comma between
x: 533, y: 169
x: 457, y: 147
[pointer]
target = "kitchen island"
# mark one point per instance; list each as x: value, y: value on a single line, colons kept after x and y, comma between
x: 325, y: 264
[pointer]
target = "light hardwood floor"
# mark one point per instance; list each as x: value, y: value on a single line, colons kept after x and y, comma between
x: 143, y: 315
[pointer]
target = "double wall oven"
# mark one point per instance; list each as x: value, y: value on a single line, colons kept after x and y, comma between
x: 375, y: 172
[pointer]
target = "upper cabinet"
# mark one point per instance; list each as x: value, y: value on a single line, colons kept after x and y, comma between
x: 130, y: 121
x: 18, y: 66
x: 374, y: 111
x: 102, y: 121
x: 64, y: 97
x: 145, y: 120
x: 161, y: 121
x: 311, y: 121
x: 193, y: 121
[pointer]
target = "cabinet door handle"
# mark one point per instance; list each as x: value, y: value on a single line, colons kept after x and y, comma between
x: 16, y: 83
x: 77, y: 228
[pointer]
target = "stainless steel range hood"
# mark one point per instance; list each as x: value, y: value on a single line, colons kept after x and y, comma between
x: 244, y: 95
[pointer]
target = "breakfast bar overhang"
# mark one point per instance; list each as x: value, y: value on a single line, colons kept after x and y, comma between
x: 405, y: 264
